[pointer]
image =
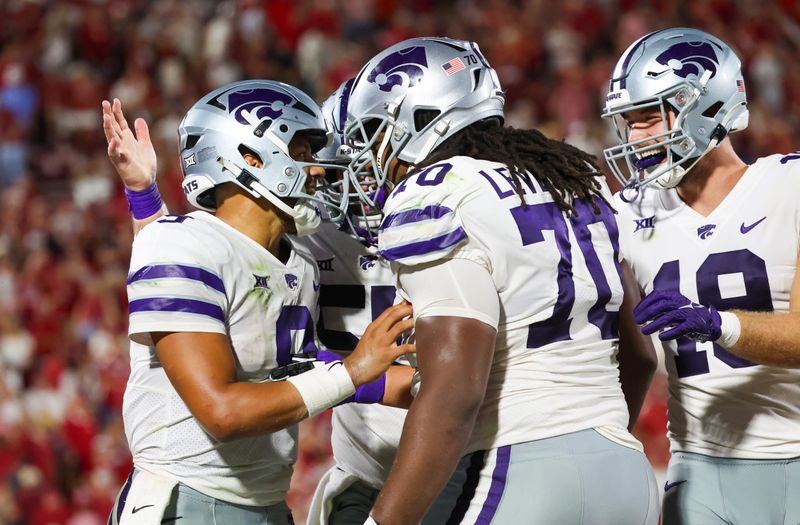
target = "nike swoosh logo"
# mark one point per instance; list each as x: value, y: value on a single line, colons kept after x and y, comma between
x: 745, y: 229
x: 669, y: 485
x: 134, y: 510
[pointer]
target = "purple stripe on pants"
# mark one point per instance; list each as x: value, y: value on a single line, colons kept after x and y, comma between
x: 496, y: 489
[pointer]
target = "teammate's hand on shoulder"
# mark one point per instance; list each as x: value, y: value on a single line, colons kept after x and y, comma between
x: 378, y: 347
x: 132, y: 155
x: 663, y: 309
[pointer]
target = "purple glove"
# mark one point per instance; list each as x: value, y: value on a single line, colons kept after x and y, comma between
x: 367, y: 393
x: 663, y: 309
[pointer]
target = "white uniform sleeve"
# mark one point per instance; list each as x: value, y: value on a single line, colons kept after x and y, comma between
x: 174, y: 285
x: 454, y: 287
x: 422, y: 222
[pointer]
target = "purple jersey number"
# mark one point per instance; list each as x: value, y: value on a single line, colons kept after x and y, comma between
x: 349, y: 296
x: 293, y: 318
x: 690, y: 361
x: 532, y: 220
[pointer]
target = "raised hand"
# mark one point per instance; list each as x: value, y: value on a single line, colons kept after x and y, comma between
x: 668, y: 309
x: 131, y: 151
x: 378, y: 347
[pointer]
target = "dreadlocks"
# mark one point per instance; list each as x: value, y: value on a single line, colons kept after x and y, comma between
x: 567, y: 172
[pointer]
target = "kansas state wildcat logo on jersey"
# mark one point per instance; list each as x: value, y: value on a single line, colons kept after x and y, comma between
x: 706, y: 231
x: 402, y: 68
x: 690, y: 58
x: 367, y: 261
x: 262, y: 103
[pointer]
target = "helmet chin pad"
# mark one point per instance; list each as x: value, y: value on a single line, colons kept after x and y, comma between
x: 670, y: 179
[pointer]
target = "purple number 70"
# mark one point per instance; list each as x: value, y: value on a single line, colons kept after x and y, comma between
x: 532, y: 220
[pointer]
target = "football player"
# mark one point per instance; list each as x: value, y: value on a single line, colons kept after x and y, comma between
x: 714, y: 242
x: 219, y: 301
x: 356, y: 285
x: 507, y: 245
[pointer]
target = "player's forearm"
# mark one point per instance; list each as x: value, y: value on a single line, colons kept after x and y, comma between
x: 637, y: 356
x: 769, y: 338
x: 635, y: 375
x: 250, y: 409
x: 436, y: 431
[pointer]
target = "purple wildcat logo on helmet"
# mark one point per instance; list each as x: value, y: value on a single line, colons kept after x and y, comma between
x: 262, y: 103
x: 403, y: 68
x: 690, y: 58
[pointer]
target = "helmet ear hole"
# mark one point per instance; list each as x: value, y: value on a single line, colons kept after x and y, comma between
x: 191, y: 141
x: 423, y: 117
x: 713, y: 109
x: 244, y: 150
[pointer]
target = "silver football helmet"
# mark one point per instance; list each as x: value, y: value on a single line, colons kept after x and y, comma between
x: 334, y: 111
x: 685, y: 71
x: 411, y: 97
x: 259, y: 117
x: 357, y: 218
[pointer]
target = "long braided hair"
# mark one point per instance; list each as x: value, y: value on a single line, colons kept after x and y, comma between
x: 567, y: 172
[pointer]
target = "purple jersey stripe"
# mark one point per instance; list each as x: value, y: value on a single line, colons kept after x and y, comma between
x: 159, y: 271
x: 432, y: 211
x: 171, y: 304
x: 496, y: 488
x: 423, y: 247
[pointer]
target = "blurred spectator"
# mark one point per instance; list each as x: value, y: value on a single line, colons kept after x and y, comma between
x: 64, y: 228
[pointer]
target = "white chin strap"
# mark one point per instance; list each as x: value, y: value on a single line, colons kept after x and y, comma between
x: 669, y: 179
x: 305, y: 215
x: 387, y: 137
x: 439, y: 131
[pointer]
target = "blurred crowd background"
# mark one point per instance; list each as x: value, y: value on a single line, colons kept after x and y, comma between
x: 65, y: 233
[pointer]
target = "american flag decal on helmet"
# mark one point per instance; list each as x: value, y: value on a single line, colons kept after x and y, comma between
x: 453, y: 66
x: 740, y: 86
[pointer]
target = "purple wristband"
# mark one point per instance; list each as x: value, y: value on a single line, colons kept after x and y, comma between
x: 370, y: 392
x: 328, y: 357
x: 144, y: 203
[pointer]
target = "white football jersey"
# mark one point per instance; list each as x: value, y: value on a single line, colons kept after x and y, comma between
x: 357, y: 286
x: 194, y: 273
x: 741, y: 256
x: 558, y: 281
